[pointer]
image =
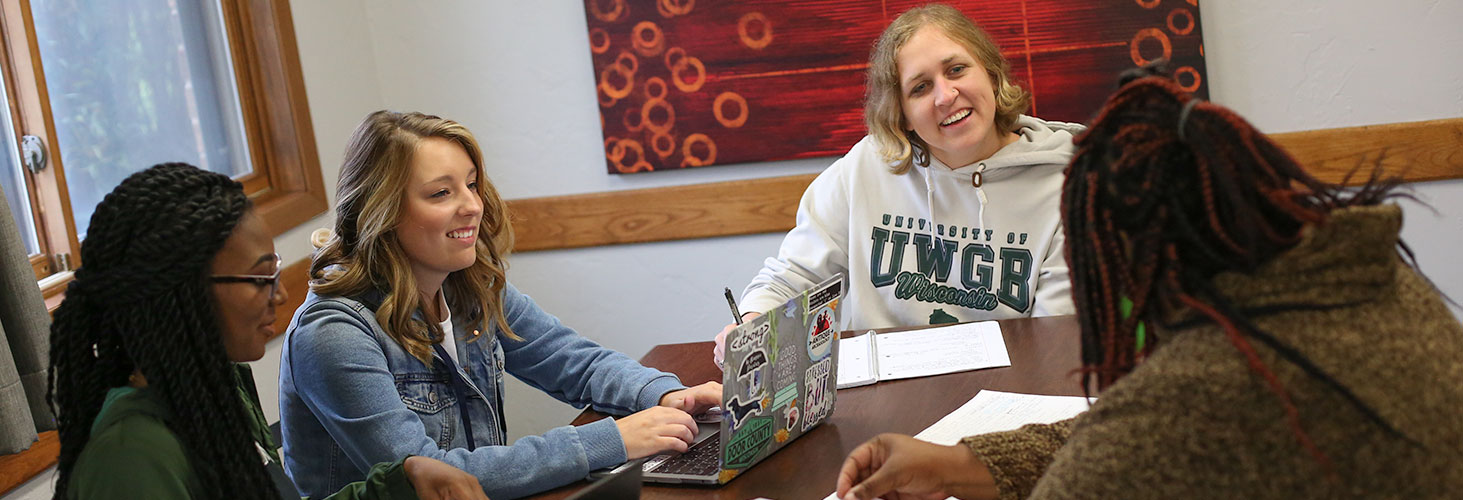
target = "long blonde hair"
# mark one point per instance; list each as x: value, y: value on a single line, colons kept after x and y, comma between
x: 883, y: 109
x: 364, y: 254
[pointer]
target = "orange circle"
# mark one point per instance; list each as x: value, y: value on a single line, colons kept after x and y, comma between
x: 613, y: 151
x: 669, y: 54
x: 720, y: 117
x: 621, y: 149
x: 639, y: 166
x: 1188, y: 70
x: 747, y: 39
x: 598, y: 48
x: 605, y: 100
x: 1145, y: 34
x: 672, y: 8
x: 670, y: 144
x: 689, y: 160
x: 655, y: 82
x: 640, y: 121
x: 659, y: 128
x: 1187, y: 28
x: 647, y: 47
x: 613, y: 92
x: 611, y: 16
x: 1148, y: 4
x: 689, y: 87
x: 624, y: 56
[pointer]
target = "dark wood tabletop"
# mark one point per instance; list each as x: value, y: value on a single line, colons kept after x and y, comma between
x: 1044, y: 359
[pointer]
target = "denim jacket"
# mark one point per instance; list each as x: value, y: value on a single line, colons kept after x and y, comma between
x: 351, y: 397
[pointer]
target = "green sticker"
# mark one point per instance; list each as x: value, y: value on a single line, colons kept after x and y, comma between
x: 785, y: 395
x: 755, y: 435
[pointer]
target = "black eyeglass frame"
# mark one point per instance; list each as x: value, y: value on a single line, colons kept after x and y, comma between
x: 270, y: 280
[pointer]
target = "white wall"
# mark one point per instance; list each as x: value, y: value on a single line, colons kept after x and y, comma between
x: 518, y: 74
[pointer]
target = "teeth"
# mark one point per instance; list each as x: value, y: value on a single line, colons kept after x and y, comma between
x: 956, y: 117
x: 460, y: 234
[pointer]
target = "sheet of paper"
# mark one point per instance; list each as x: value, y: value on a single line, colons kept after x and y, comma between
x: 856, y: 362
x: 993, y: 411
x: 935, y: 351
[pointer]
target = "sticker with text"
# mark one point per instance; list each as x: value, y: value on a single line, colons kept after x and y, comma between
x: 819, y: 399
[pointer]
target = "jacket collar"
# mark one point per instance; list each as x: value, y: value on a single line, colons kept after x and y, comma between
x: 1347, y: 259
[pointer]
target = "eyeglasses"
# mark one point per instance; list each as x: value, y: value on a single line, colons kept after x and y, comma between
x: 269, y: 280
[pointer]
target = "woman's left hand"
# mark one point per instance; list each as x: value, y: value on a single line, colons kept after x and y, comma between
x: 694, y: 400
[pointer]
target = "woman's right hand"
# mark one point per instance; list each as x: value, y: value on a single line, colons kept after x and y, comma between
x: 718, y: 353
x: 436, y: 480
x: 655, y: 430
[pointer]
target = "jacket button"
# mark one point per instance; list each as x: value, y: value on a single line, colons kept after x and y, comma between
x: 432, y: 397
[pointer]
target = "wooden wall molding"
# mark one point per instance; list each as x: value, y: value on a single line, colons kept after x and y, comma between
x: 1416, y: 151
x: 17, y: 468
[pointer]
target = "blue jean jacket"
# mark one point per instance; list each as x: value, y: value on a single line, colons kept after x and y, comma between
x: 351, y: 397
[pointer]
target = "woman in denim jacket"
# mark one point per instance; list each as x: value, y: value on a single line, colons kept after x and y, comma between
x: 401, y: 346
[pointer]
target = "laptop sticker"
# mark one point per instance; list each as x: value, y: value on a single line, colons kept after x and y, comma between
x: 791, y: 415
x: 785, y: 395
x: 750, y: 374
x: 739, y: 412
x: 747, y: 443
x: 819, y: 398
x: 820, y: 335
x: 787, y: 360
x: 752, y: 339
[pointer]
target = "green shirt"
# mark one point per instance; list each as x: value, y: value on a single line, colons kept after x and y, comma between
x: 133, y: 454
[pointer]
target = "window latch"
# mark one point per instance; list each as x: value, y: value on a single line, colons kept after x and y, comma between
x: 33, y: 153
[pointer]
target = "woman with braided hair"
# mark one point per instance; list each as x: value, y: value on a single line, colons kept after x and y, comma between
x: 177, y: 290
x: 1254, y: 333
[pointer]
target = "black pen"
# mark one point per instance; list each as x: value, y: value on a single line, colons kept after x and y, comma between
x: 733, y: 303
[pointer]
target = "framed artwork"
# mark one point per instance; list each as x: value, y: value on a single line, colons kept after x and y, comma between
x: 684, y: 84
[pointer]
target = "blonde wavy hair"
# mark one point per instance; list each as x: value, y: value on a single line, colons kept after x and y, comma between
x: 883, y: 109
x: 363, y: 253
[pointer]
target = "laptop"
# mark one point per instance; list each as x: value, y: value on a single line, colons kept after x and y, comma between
x: 623, y: 484
x: 778, y: 381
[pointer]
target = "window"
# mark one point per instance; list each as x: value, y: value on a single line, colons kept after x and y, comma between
x: 99, y: 90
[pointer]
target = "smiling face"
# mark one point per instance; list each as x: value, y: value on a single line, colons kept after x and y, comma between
x: 440, y: 212
x: 246, y: 310
x: 948, y: 99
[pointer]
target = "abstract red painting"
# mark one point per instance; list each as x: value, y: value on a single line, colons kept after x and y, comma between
x: 682, y: 83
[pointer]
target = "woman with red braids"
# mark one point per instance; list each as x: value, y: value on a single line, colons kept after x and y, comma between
x: 1254, y: 333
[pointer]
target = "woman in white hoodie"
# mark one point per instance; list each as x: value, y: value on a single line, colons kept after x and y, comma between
x: 948, y: 211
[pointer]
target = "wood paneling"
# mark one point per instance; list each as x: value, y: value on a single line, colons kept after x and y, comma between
x: 658, y: 214
x: 17, y: 468
x: 1417, y: 151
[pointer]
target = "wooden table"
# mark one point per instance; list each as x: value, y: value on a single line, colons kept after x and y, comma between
x: 1044, y: 359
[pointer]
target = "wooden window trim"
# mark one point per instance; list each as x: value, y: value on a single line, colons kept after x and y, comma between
x: 278, y: 129
x: 286, y: 184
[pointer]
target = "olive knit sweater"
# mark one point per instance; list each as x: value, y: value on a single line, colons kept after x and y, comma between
x: 1194, y: 421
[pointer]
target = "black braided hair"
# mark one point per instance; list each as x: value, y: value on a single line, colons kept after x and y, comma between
x: 1167, y: 191
x: 141, y: 300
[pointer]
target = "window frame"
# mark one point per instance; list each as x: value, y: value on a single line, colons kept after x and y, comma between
x: 286, y: 184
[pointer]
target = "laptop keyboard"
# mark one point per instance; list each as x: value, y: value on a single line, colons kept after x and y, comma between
x: 700, y: 460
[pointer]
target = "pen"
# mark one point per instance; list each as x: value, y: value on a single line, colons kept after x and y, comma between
x: 733, y: 303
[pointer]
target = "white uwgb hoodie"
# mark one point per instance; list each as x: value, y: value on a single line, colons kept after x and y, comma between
x: 928, y: 246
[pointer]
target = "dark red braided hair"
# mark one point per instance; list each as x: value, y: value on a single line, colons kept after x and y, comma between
x: 1155, y: 206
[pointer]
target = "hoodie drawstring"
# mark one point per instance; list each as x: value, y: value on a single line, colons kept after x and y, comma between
x: 977, y: 178
x: 929, y: 202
